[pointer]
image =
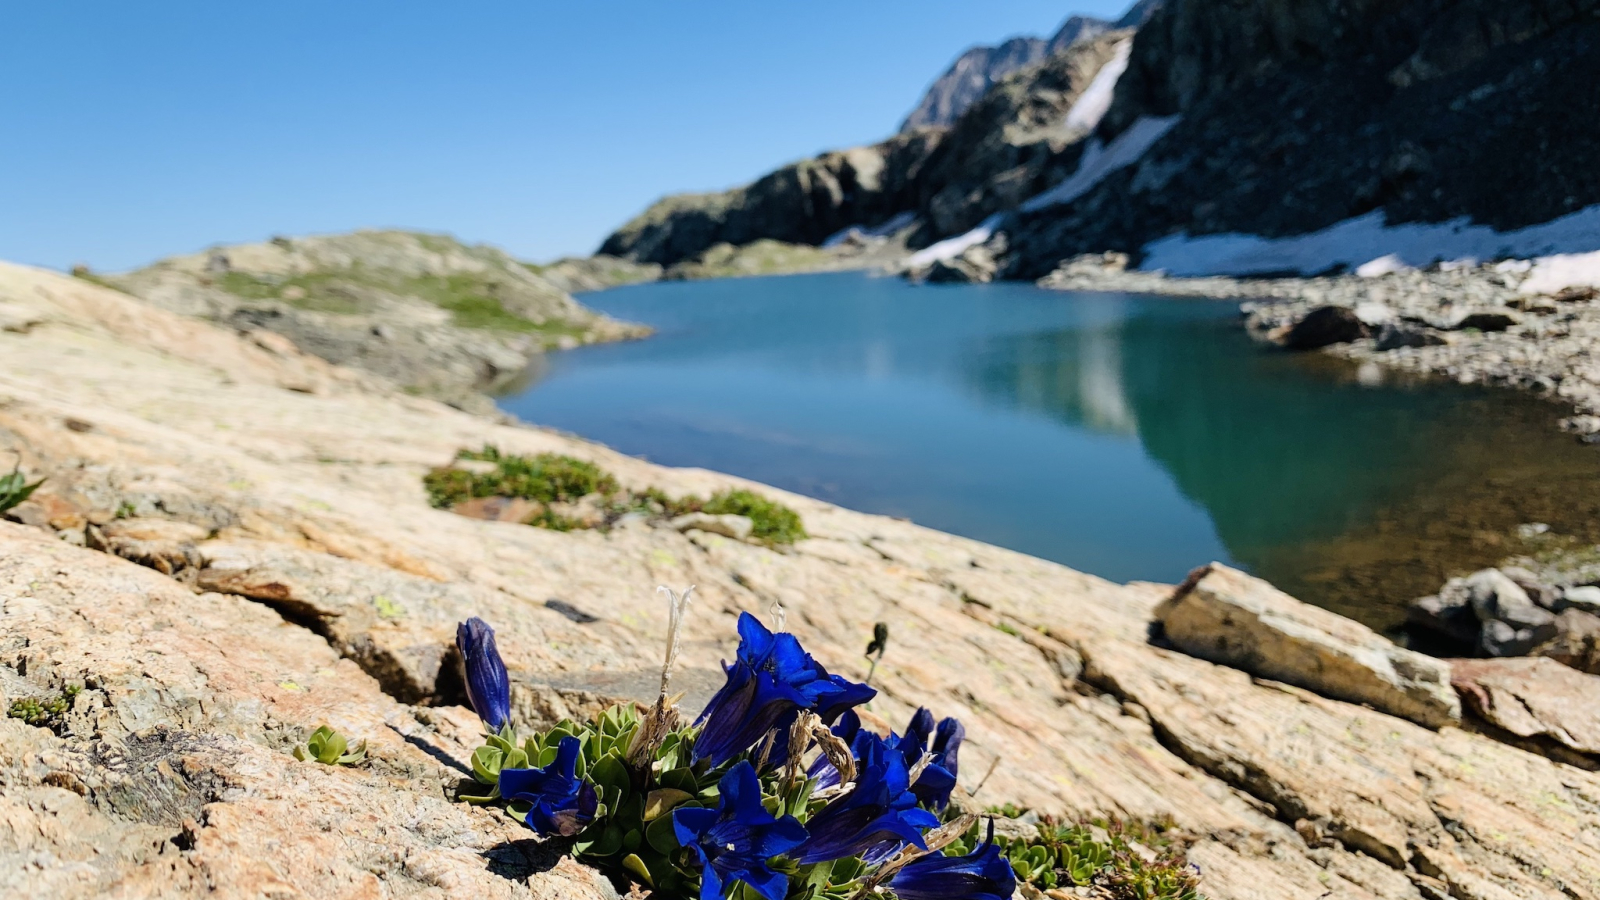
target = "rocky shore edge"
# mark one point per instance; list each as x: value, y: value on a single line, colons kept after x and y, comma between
x: 1470, y: 323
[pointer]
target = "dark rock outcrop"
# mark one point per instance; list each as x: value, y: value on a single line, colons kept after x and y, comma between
x: 801, y: 203
x: 1297, y: 115
x: 1014, y: 143
x: 1323, y: 326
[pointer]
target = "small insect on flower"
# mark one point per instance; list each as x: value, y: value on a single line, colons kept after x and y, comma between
x: 488, y: 685
x: 735, y: 841
x: 875, y: 819
x: 562, y: 803
x: 982, y: 874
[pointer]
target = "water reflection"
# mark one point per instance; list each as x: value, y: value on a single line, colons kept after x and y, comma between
x: 1357, y: 498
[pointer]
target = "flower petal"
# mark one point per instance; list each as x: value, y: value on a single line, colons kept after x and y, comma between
x: 488, y: 685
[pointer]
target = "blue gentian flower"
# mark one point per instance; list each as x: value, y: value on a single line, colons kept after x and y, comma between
x: 982, y: 874
x: 920, y: 728
x: 563, y: 803
x: 878, y: 816
x: 488, y: 685
x: 947, y: 745
x: 735, y: 840
x: 837, y: 695
x: 771, y: 679
x: 934, y: 785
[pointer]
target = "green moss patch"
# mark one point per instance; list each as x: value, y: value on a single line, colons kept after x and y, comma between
x: 571, y: 493
x: 546, y: 478
x: 773, y: 521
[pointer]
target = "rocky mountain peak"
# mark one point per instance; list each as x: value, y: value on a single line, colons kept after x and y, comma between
x: 968, y: 78
x: 980, y: 68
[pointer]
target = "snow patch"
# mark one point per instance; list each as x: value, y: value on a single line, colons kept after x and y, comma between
x: 950, y: 248
x: 1099, y: 161
x: 1383, y: 265
x: 1565, y: 248
x: 886, y: 229
x: 1095, y: 100
x: 1555, y: 273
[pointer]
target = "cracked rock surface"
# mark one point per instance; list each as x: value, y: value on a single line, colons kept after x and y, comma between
x: 304, y: 580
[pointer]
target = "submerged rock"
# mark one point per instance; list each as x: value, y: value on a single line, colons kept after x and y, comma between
x: 1225, y: 616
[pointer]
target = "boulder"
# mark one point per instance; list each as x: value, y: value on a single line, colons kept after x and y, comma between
x: 1585, y: 598
x: 1225, y: 616
x: 1577, y: 641
x: 1396, y: 335
x: 1512, y: 623
x: 1374, y: 314
x: 1538, y: 590
x: 737, y: 527
x: 1533, y: 698
x: 1447, y: 616
x: 1481, y: 320
x: 1324, y: 326
x: 955, y: 271
x: 1577, y: 294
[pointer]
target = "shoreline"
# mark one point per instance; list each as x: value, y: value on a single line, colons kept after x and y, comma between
x: 1472, y: 325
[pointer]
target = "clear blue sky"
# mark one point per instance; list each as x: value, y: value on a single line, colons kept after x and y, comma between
x: 131, y: 131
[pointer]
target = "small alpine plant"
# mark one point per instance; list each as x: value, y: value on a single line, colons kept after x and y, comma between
x: 775, y: 791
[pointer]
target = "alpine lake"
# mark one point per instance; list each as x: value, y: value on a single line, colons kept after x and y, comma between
x: 1132, y: 437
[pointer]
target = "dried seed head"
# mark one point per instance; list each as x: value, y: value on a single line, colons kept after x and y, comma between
x: 663, y: 716
x: 837, y: 751
x: 946, y: 834
x: 766, y: 750
x: 920, y: 766
x: 657, y: 723
x: 677, y: 608
x: 799, y: 743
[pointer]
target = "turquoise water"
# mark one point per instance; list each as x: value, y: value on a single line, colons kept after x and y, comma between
x: 1131, y: 437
